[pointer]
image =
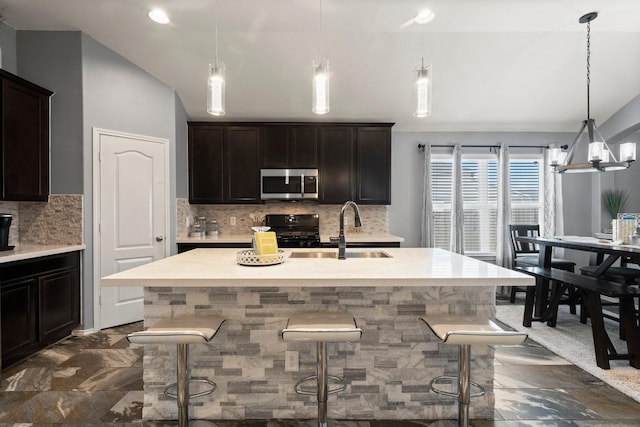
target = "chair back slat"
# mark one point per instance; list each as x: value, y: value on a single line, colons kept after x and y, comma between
x: 524, y: 230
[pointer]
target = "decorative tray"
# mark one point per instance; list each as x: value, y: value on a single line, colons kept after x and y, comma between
x: 250, y: 258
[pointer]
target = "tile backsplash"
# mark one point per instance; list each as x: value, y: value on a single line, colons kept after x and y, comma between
x: 374, y: 218
x: 56, y: 222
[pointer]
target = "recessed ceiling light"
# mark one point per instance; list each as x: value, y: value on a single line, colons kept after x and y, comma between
x: 424, y: 16
x: 159, y: 16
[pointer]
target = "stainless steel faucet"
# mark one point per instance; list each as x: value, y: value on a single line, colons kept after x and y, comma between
x: 342, y: 242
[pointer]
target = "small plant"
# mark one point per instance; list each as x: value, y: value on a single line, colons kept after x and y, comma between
x: 615, y: 201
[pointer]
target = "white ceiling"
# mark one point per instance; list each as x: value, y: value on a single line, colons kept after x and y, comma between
x: 500, y: 65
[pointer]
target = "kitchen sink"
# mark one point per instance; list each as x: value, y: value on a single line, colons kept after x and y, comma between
x: 362, y: 254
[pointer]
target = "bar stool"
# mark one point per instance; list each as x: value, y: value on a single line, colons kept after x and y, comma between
x: 465, y: 331
x: 322, y: 328
x: 182, y: 331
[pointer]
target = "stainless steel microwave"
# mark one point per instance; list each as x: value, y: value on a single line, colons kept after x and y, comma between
x: 289, y: 184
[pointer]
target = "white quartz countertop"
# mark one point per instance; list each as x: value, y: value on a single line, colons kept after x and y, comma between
x: 324, y: 238
x: 21, y: 252
x: 419, y: 267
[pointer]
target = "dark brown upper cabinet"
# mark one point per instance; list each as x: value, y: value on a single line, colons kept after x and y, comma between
x: 24, y: 140
x: 290, y: 147
x: 336, y: 174
x: 206, y: 159
x: 242, y: 164
x: 355, y: 164
x: 224, y: 163
x: 373, y: 165
x: 353, y: 159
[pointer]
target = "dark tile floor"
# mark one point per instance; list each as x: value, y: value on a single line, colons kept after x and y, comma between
x: 97, y: 380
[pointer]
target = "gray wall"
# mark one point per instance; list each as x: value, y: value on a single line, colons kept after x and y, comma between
x: 120, y: 96
x: 52, y: 59
x: 95, y: 88
x: 8, y: 45
x: 182, y: 183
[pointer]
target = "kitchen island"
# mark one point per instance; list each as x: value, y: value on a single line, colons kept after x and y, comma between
x: 388, y: 371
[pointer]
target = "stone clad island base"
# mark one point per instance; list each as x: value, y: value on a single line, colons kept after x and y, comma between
x: 387, y: 372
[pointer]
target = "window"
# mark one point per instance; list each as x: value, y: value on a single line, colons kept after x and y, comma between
x: 480, y: 198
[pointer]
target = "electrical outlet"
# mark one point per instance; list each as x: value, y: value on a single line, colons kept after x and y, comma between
x: 291, y: 363
x: 232, y: 220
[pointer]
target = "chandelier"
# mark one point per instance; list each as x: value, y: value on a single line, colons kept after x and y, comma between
x: 600, y: 156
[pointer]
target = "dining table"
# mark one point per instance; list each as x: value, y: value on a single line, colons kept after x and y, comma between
x: 605, y: 254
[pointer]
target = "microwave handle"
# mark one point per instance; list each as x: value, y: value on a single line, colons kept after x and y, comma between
x: 302, y: 186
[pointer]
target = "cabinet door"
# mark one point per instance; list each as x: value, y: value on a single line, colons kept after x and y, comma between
x: 293, y: 147
x: 59, y: 304
x: 24, y: 161
x: 19, y: 317
x: 373, y: 165
x: 336, y: 164
x: 275, y: 147
x: 304, y: 147
x: 206, y: 164
x: 242, y: 164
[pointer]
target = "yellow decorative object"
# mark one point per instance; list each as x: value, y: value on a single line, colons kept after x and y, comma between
x: 266, y: 244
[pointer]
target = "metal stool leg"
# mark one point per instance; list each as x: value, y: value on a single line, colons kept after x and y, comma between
x: 183, y: 385
x: 322, y: 383
x: 464, y: 385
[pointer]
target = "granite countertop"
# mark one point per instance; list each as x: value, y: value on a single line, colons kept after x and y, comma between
x: 324, y: 238
x: 21, y: 252
x: 407, y: 267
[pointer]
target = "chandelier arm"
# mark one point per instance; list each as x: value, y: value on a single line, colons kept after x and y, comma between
x: 606, y: 146
x: 575, y: 143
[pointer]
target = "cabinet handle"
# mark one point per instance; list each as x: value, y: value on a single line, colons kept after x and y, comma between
x: 159, y: 238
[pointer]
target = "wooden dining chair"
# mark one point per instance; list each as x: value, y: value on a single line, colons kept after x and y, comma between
x: 525, y: 254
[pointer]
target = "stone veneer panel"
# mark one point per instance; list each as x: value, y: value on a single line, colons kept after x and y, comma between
x: 58, y: 222
x: 374, y: 217
x: 387, y: 372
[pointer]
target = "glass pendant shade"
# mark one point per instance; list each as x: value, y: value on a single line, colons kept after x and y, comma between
x: 216, y: 90
x: 422, y: 92
x: 596, y: 151
x: 628, y: 152
x: 557, y: 156
x: 320, y: 87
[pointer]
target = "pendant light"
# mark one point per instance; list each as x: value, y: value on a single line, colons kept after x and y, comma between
x: 422, y: 91
x: 320, y: 84
x: 600, y: 157
x: 216, y: 84
x: 422, y: 82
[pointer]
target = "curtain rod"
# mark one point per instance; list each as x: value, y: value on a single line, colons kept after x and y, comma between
x: 421, y: 146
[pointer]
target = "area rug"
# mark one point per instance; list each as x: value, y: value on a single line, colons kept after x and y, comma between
x: 573, y: 341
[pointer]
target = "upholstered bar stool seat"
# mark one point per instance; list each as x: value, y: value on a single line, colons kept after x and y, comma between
x: 465, y: 331
x: 322, y: 328
x: 182, y: 331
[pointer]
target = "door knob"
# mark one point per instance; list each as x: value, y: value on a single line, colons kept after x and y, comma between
x: 159, y: 238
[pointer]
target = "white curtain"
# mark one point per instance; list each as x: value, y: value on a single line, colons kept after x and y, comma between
x: 504, y: 255
x: 456, y: 241
x: 553, y: 223
x: 427, y: 239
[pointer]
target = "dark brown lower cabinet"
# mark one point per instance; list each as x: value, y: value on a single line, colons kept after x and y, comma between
x: 39, y: 303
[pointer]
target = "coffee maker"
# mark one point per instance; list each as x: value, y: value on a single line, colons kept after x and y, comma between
x: 5, y: 223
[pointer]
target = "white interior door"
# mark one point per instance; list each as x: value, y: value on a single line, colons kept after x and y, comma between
x: 131, y: 216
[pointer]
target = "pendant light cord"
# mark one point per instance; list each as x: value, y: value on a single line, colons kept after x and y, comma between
x: 320, y: 31
x: 216, y: 8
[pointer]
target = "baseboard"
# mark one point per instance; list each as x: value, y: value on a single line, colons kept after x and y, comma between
x: 83, y: 332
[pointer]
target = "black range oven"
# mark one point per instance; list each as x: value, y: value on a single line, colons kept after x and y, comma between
x: 295, y: 231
